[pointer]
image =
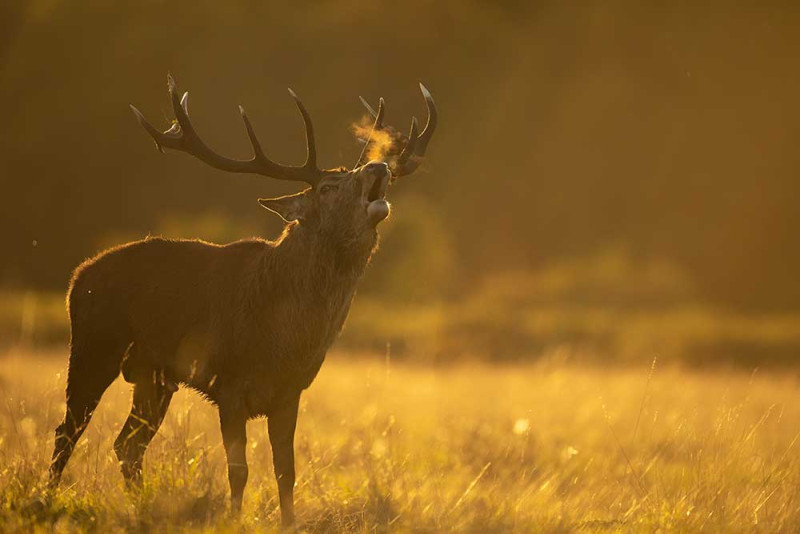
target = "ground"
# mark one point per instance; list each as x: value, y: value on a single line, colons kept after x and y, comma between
x: 385, y: 445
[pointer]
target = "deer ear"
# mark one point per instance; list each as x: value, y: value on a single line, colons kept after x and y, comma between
x: 290, y: 208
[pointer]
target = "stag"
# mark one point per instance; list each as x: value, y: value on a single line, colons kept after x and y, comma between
x: 246, y: 324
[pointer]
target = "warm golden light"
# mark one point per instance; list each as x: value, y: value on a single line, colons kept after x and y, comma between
x: 583, y: 313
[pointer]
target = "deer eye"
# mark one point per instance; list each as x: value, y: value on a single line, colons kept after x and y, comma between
x: 328, y: 188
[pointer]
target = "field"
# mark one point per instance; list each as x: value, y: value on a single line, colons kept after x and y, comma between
x: 384, y: 445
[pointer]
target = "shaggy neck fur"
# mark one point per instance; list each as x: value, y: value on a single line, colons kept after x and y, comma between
x: 306, y: 282
x: 327, y: 261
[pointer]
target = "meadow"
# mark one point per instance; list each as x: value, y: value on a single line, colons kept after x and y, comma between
x: 386, y: 445
x: 584, y: 315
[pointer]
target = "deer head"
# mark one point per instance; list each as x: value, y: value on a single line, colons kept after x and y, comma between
x: 339, y: 201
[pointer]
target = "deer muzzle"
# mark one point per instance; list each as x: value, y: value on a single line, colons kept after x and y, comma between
x: 376, y: 179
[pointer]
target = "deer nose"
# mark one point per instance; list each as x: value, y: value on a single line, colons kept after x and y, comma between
x: 378, y: 169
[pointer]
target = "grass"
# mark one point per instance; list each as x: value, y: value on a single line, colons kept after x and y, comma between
x: 546, y: 447
x: 508, y: 322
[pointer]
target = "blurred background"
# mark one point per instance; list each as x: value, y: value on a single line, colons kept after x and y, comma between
x: 610, y: 180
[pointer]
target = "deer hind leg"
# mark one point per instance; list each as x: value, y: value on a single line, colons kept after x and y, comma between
x: 92, y: 368
x: 233, y: 423
x: 150, y: 403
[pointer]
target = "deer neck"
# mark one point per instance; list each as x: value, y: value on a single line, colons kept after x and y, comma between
x: 326, y: 267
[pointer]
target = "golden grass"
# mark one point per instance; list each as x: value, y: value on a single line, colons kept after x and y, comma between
x: 506, y: 322
x: 549, y: 447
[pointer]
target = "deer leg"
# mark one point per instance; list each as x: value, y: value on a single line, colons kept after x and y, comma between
x: 86, y: 383
x: 150, y: 402
x: 233, y: 422
x: 80, y: 408
x: 282, y: 423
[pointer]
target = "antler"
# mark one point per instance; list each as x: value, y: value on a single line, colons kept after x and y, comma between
x: 183, y: 137
x: 414, y: 145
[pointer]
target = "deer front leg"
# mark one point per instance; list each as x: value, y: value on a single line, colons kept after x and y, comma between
x: 233, y: 422
x: 282, y: 422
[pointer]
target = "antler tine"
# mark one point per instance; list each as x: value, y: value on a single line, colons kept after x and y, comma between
x: 404, y: 159
x: 408, y: 163
x: 366, y: 105
x: 381, y: 113
x: 430, y: 125
x: 251, y: 134
x: 270, y: 167
x: 159, y: 137
x: 311, y: 145
x: 377, y: 115
x: 183, y: 137
x: 376, y: 126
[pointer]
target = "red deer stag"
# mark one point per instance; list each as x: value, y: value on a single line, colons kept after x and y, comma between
x: 246, y: 324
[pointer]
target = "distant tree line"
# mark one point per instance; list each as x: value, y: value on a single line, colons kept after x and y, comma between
x: 670, y: 130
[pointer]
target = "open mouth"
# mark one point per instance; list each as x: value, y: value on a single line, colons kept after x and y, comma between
x: 376, y: 206
x: 378, y: 189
